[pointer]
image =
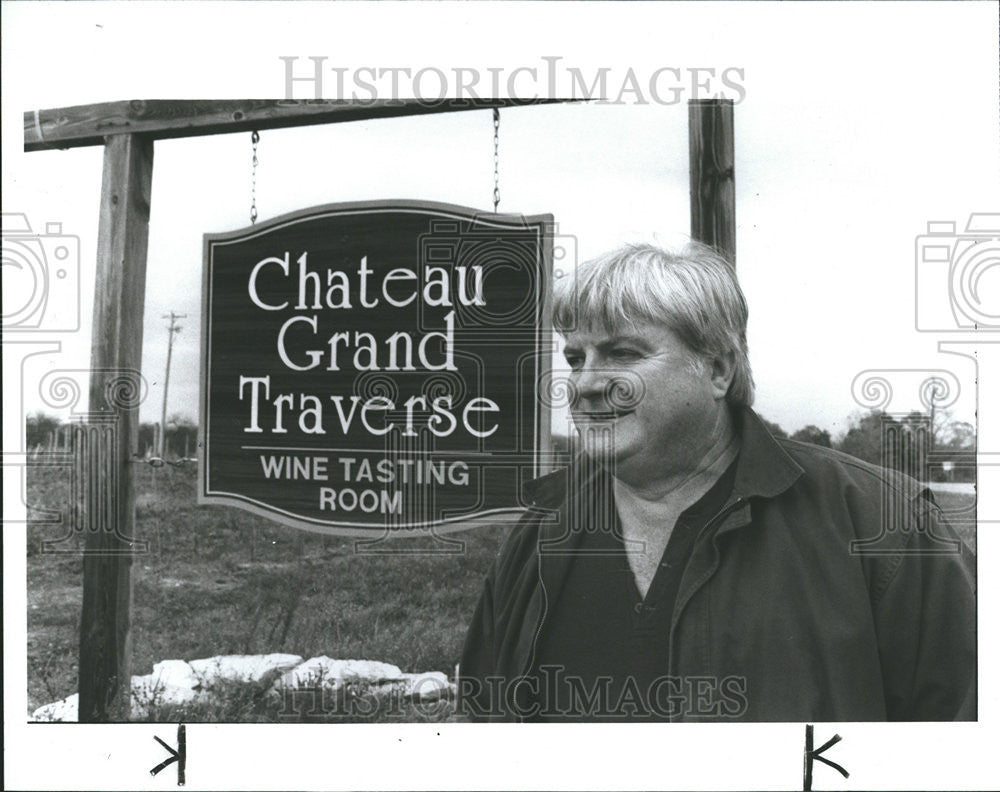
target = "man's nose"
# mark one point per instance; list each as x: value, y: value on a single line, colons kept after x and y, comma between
x: 607, y: 388
x: 589, y: 383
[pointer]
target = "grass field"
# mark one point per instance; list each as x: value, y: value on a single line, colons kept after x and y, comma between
x: 220, y: 581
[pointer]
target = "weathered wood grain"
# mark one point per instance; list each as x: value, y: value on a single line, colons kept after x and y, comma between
x: 713, y: 191
x: 105, y: 664
x: 88, y: 125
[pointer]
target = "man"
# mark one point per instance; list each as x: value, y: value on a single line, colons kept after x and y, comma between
x: 688, y: 565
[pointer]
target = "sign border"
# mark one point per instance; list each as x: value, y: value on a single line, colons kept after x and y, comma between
x: 544, y: 345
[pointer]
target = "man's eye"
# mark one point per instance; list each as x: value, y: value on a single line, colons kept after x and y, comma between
x: 574, y: 361
x: 623, y: 353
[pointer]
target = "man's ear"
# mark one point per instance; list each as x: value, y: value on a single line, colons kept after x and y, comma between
x: 723, y: 371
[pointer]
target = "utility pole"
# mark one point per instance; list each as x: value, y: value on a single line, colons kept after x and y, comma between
x: 174, y: 328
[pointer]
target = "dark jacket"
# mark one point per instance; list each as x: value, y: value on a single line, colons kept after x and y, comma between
x: 827, y: 589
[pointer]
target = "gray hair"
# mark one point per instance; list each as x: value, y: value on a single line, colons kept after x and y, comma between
x: 694, y: 293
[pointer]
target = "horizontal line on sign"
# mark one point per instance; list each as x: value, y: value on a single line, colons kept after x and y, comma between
x: 368, y: 451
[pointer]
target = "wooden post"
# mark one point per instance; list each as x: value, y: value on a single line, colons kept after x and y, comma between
x: 105, y: 662
x: 713, y: 194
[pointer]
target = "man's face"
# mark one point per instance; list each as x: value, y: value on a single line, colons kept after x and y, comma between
x: 644, y: 390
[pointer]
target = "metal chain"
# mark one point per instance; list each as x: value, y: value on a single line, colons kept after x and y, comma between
x: 496, y: 159
x: 254, y: 139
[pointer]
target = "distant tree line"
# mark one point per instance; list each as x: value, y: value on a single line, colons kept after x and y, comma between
x: 47, y: 433
x: 943, y: 446
x: 179, y: 442
x: 948, y: 446
x: 42, y: 431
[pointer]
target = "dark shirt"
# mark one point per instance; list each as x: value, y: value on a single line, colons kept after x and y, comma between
x: 603, y: 650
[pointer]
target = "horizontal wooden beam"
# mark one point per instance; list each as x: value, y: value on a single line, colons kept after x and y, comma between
x: 88, y: 125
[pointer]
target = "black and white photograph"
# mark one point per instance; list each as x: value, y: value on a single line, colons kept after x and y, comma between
x: 486, y: 395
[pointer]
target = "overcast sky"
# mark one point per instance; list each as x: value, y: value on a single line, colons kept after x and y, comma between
x: 859, y: 123
x: 844, y: 152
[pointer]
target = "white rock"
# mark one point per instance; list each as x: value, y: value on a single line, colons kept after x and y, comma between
x: 66, y: 710
x: 428, y: 686
x: 329, y: 673
x: 242, y: 668
x: 175, y: 673
x: 178, y: 682
x: 172, y: 682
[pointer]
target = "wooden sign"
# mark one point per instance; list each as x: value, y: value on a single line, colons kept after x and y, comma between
x: 375, y: 366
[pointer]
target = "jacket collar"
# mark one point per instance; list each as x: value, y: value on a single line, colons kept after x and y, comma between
x: 763, y: 468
